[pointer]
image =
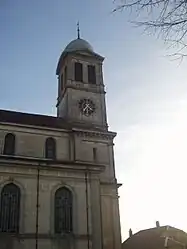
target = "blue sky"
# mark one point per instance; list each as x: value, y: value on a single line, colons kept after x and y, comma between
x: 146, y: 96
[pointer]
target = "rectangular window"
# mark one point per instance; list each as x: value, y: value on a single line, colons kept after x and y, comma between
x: 65, y: 75
x: 78, y: 72
x: 91, y: 74
x: 61, y: 82
x: 94, y: 154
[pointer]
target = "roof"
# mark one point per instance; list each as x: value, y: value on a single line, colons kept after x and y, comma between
x: 46, y: 121
x: 155, y: 238
x: 32, y: 119
x: 78, y: 45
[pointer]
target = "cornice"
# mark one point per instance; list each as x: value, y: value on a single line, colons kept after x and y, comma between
x: 88, y: 88
x: 22, y: 236
x: 82, y: 87
x: 87, y: 133
x: 42, y: 163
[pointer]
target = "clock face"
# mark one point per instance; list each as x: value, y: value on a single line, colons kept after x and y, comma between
x: 86, y: 106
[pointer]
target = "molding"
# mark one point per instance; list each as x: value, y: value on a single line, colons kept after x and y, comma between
x: 37, y: 127
x: 87, y: 133
x: 89, y: 88
x: 115, y: 184
x: 22, y: 236
x: 81, y: 87
x: 43, y: 163
x: 87, y: 54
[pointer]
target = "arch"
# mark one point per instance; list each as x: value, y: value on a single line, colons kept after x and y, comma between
x: 50, y: 148
x: 10, y: 208
x: 9, y: 144
x: 63, y: 207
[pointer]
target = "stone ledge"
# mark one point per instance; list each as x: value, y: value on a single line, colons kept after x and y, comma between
x: 23, y: 236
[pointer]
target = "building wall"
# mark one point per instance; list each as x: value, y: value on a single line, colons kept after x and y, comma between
x: 30, y: 142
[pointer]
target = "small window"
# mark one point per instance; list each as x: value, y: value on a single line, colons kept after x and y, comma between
x: 50, y: 148
x: 61, y: 82
x: 78, y: 72
x: 94, y: 154
x: 59, y: 85
x: 9, y: 144
x: 10, y: 209
x: 63, y: 211
x: 91, y: 74
x: 65, y: 75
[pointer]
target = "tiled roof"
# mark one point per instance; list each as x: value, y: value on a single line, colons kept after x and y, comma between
x: 155, y: 238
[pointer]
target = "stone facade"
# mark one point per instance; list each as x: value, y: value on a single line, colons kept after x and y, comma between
x: 84, y: 164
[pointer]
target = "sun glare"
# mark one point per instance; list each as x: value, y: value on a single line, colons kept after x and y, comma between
x: 155, y: 179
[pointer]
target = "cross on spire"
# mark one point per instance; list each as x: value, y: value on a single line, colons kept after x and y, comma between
x: 78, y: 31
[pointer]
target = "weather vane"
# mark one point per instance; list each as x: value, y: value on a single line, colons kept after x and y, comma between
x: 78, y: 30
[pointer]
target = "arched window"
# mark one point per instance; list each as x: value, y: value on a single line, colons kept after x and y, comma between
x: 10, y: 208
x: 9, y: 144
x: 50, y: 148
x: 63, y: 210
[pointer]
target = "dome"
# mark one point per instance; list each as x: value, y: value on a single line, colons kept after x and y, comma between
x: 77, y: 45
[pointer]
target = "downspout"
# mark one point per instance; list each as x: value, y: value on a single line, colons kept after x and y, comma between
x: 87, y: 211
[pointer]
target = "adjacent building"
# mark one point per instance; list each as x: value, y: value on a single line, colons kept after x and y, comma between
x: 159, y: 237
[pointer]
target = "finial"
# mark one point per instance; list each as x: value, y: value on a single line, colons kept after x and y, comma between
x: 157, y: 223
x: 130, y: 232
x: 78, y: 31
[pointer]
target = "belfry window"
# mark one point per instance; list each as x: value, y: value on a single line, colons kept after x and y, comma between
x: 65, y: 75
x: 61, y: 82
x: 9, y: 144
x: 95, y: 154
x: 63, y: 210
x: 50, y: 148
x: 78, y: 71
x: 10, y: 209
x: 91, y: 74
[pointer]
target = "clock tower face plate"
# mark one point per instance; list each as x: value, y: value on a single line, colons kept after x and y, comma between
x: 86, y: 106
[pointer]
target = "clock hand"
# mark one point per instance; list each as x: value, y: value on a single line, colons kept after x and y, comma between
x: 84, y: 109
x: 87, y: 106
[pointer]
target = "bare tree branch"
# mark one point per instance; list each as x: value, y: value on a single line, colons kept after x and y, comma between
x: 166, y: 18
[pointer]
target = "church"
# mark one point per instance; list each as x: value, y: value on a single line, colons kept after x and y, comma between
x: 58, y: 188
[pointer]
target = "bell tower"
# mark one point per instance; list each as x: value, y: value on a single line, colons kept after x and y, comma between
x: 81, y: 105
x: 81, y: 94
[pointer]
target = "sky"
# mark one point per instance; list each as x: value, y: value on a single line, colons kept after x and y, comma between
x: 146, y: 96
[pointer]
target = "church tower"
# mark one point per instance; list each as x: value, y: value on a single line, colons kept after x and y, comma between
x: 81, y: 103
x: 81, y: 94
